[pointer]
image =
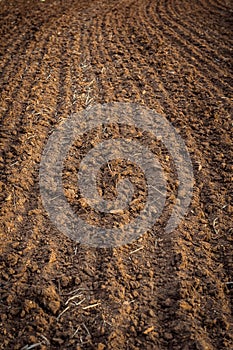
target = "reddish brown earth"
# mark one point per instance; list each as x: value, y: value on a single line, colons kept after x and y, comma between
x: 175, y: 291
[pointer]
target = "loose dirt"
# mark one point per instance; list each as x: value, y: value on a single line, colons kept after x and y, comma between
x: 163, y: 291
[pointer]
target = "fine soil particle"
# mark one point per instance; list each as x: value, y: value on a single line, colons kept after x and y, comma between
x: 163, y: 291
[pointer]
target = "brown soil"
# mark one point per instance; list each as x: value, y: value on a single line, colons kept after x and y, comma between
x: 175, y: 291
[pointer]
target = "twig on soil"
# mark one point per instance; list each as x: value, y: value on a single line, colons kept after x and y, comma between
x: 67, y: 308
x: 91, y: 82
x: 163, y: 194
x: 136, y: 250
x: 91, y: 306
x: 75, y: 291
x: 86, y: 329
x: 229, y: 285
x: 106, y: 322
x: 88, y: 99
x: 73, y: 297
x: 14, y: 163
x: 109, y: 167
x: 76, y: 331
x: 45, y: 339
x: 31, y: 137
x: 89, y: 102
x: 75, y: 250
x: 80, y: 302
x: 29, y: 347
x: 214, y: 225
x: 85, y: 64
x: 52, y: 199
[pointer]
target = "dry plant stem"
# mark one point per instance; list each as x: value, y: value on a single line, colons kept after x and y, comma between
x: 91, y: 306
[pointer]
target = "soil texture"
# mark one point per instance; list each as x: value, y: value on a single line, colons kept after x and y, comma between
x: 162, y: 291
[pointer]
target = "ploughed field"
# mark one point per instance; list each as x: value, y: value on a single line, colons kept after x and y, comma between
x: 162, y: 291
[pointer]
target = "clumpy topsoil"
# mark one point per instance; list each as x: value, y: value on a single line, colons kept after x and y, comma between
x: 162, y: 291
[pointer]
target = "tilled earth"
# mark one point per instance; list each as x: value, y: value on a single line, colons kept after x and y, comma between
x: 163, y: 291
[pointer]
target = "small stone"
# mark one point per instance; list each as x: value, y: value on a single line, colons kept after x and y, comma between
x: 64, y: 281
x: 77, y: 280
x: 151, y: 313
x: 22, y: 314
x: 168, y: 302
x: 8, y: 198
x: 168, y: 336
